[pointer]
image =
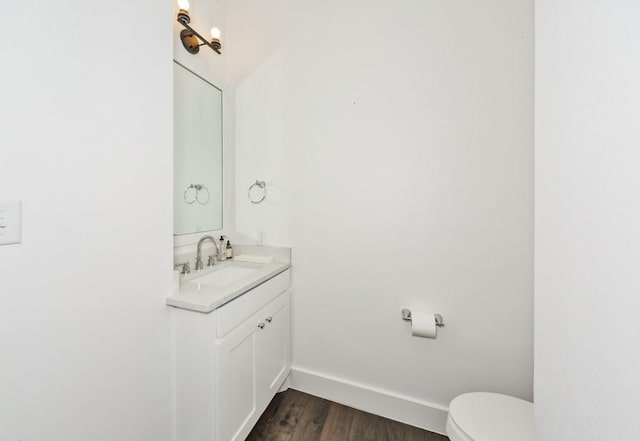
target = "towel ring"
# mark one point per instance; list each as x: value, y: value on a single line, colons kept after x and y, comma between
x: 259, y: 184
x: 196, y: 196
x: 202, y: 188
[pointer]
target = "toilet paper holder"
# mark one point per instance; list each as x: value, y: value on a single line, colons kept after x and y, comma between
x: 406, y: 316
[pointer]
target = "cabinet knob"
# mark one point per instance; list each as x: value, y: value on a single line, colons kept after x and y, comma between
x: 269, y: 319
x: 261, y: 325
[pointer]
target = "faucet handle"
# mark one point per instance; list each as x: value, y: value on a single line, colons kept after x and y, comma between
x: 211, y: 261
x: 185, y: 267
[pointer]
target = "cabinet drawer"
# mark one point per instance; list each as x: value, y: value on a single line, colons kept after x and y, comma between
x: 237, y: 311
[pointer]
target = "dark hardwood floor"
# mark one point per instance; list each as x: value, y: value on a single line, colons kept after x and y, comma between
x: 296, y: 416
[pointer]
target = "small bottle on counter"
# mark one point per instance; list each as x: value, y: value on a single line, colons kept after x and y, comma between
x: 222, y: 255
x: 229, y: 251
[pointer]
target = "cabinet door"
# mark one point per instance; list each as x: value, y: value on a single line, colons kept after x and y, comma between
x: 274, y: 348
x: 236, y: 382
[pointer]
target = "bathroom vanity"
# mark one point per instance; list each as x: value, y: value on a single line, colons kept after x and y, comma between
x: 230, y: 320
x: 231, y: 347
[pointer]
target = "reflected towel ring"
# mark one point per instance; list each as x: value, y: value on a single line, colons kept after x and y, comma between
x: 259, y: 184
x: 203, y: 188
x: 197, y: 188
x: 195, y: 194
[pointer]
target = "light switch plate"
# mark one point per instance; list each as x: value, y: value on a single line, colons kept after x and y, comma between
x: 10, y: 222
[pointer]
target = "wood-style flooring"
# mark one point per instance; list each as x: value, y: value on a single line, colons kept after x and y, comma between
x: 296, y: 416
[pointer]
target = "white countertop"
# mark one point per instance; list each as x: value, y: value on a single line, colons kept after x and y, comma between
x: 206, y: 298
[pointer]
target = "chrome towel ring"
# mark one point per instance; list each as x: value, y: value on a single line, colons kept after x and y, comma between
x: 197, y: 188
x: 262, y: 185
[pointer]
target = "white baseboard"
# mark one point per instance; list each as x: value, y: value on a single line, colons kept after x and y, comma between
x: 390, y: 405
x: 286, y: 384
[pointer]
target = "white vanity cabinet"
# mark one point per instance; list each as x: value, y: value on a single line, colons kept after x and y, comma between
x: 251, y: 363
x: 230, y: 363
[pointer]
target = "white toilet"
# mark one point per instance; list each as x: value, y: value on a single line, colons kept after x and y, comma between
x: 484, y: 416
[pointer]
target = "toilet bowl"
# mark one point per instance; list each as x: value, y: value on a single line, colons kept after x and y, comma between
x: 484, y: 416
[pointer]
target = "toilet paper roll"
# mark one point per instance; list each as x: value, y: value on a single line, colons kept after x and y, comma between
x: 423, y: 324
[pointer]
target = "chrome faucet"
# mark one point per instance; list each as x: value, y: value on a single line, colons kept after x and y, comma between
x: 199, y: 264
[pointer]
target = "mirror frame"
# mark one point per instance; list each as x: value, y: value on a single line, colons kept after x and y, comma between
x: 192, y: 238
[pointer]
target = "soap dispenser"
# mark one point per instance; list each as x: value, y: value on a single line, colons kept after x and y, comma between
x: 222, y: 249
x: 229, y: 250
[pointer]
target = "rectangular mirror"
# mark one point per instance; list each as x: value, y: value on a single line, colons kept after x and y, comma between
x: 197, y: 153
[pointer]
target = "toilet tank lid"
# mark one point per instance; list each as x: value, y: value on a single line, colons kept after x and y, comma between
x: 486, y: 416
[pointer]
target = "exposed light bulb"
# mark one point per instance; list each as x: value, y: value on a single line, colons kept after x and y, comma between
x: 215, y: 33
x: 183, y: 4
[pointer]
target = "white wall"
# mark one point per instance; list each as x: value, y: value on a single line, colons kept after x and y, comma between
x: 587, y: 216
x: 86, y: 124
x: 407, y: 135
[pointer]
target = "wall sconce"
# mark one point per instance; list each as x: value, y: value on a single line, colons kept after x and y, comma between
x: 190, y: 37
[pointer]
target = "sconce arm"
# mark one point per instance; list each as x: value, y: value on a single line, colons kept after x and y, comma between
x: 215, y: 45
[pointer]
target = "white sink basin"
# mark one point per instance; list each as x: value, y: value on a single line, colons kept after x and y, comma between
x: 224, y: 276
x: 208, y: 289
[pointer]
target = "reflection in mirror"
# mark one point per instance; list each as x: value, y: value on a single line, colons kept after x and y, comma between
x: 197, y: 153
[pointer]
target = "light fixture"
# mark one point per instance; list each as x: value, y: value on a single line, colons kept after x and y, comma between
x: 190, y: 37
